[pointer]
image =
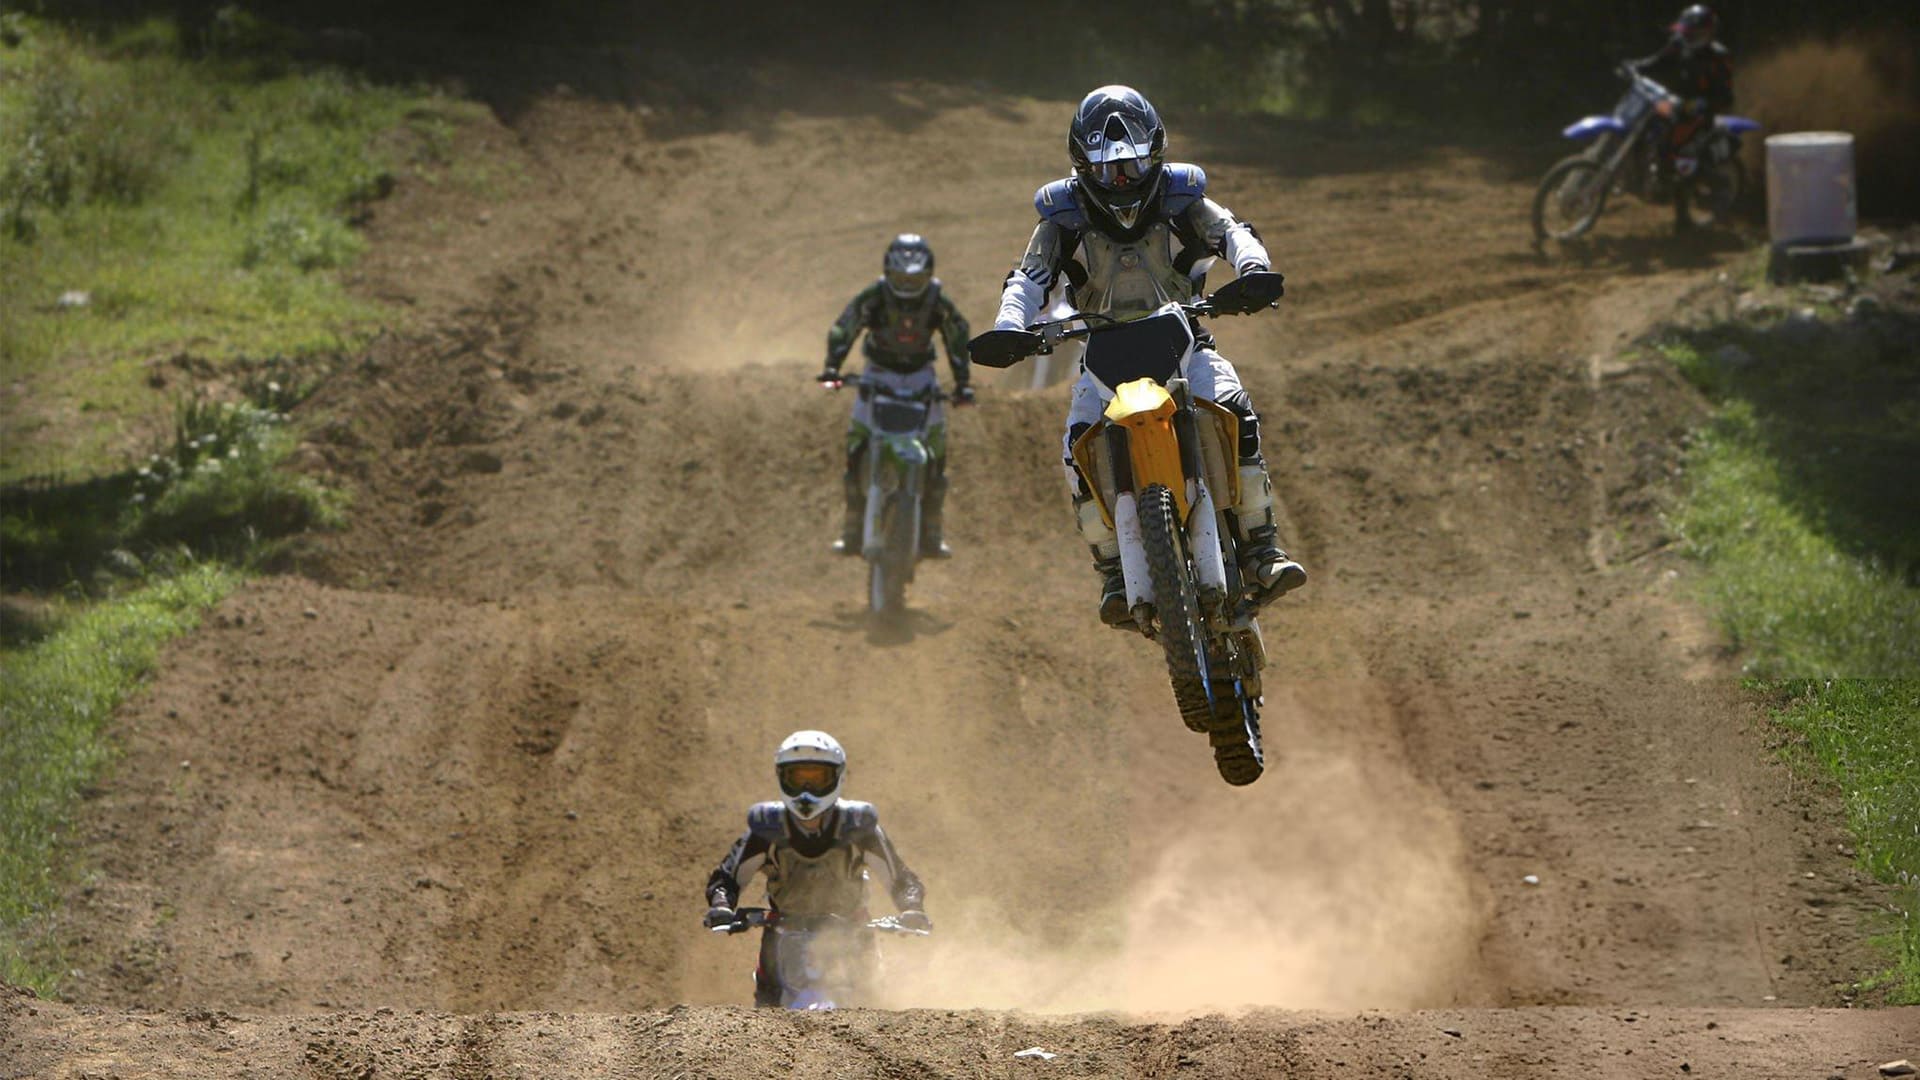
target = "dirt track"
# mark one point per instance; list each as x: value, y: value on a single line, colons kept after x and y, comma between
x: 482, y: 758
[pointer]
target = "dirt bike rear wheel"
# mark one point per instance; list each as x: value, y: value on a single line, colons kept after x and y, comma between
x: 1237, y: 752
x: 1570, y: 199
x: 1176, y: 608
x: 1715, y: 193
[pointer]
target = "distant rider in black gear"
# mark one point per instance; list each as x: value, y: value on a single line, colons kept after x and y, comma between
x: 1699, y: 70
x: 1126, y: 233
x: 901, y: 313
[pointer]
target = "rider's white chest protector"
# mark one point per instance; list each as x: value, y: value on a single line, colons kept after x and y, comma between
x: 1131, y: 277
x: 835, y: 883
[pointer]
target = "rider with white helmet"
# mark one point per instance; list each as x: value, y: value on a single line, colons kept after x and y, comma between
x: 816, y: 850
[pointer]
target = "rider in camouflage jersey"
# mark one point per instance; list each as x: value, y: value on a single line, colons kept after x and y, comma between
x: 901, y: 313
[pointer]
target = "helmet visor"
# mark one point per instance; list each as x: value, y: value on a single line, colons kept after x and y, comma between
x: 1120, y: 175
x: 908, y: 282
x: 816, y: 778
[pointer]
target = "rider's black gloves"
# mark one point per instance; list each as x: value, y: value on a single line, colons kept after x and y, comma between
x: 963, y: 395
x: 828, y: 375
x: 1254, y: 290
x: 915, y: 920
x: 717, y: 916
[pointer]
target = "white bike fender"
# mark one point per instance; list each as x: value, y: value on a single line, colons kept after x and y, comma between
x: 1133, y: 551
x: 1203, y: 538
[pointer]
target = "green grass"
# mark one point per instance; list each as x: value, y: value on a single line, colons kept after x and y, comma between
x: 1791, y: 595
x: 217, y: 491
x: 1865, y: 733
x: 1802, y: 513
x: 55, y: 702
x: 203, y: 206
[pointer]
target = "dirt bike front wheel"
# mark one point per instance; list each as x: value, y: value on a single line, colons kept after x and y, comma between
x: 887, y: 575
x: 1570, y: 199
x: 1176, y: 607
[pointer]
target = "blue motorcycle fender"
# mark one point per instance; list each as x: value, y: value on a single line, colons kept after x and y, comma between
x: 1592, y: 126
x: 1737, y: 125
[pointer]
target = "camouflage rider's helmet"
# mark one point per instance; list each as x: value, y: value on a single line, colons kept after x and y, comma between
x: 908, y: 266
x: 1118, y: 147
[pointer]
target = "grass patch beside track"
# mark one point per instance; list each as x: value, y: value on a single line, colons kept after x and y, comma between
x: 55, y: 701
x: 153, y: 203
x: 1803, y: 515
x: 157, y: 202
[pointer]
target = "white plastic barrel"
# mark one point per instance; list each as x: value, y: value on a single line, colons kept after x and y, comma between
x: 1810, y: 195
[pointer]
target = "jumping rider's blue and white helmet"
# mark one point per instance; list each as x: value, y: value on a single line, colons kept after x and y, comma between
x: 1118, y: 147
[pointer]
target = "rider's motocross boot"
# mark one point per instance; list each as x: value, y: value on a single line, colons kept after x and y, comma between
x: 933, y: 544
x: 853, y: 530
x: 1105, y: 545
x: 1265, y: 568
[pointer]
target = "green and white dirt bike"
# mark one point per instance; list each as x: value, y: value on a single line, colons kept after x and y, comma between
x: 902, y: 452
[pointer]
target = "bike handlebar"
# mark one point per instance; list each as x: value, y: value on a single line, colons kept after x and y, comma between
x: 746, y: 919
x: 1250, y: 292
x: 868, y: 389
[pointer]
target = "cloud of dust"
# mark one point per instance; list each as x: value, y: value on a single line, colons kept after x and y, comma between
x: 1869, y: 86
x: 1335, y: 883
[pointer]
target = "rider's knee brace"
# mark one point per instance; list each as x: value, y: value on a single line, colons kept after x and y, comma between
x: 1240, y: 404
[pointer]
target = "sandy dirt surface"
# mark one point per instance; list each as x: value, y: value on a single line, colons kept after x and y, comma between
x: 444, y: 803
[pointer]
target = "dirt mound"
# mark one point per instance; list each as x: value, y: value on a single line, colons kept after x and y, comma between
x: 62, y: 1043
x: 486, y: 763
x: 1869, y: 86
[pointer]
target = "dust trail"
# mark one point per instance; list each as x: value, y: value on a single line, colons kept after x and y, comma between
x: 1337, y: 882
x: 1867, y: 86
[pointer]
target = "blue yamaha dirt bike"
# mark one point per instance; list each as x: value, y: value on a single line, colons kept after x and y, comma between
x: 1624, y: 153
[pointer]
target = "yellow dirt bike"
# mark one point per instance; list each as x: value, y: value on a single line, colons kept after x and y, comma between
x: 1162, y: 464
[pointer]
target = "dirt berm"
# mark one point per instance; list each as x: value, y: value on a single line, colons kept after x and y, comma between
x: 444, y: 805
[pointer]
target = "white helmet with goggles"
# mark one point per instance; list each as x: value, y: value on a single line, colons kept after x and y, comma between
x: 810, y: 766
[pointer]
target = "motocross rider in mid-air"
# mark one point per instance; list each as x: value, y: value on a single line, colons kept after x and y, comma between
x: 1699, y: 71
x: 901, y: 313
x: 1126, y: 233
x: 816, y: 850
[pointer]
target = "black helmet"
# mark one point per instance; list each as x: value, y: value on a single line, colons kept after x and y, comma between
x: 1118, y: 147
x: 1695, y: 27
x: 908, y: 266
